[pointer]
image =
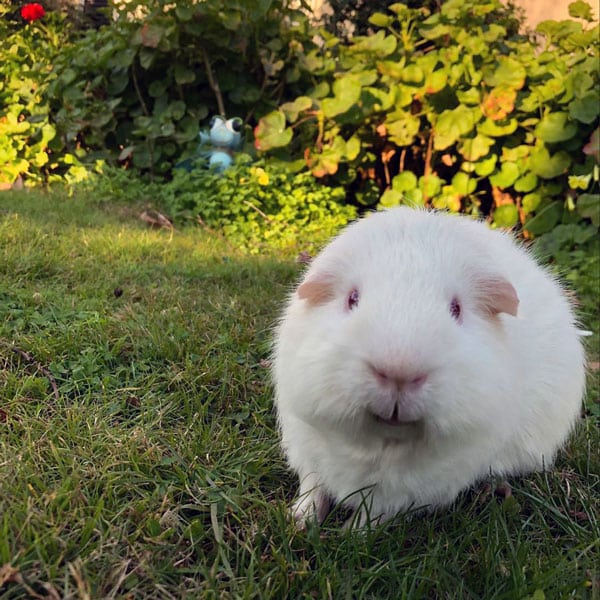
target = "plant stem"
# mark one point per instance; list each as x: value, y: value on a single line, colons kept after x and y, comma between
x: 214, y: 84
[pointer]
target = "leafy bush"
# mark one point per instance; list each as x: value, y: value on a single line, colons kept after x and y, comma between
x: 139, y: 88
x: 451, y: 110
x: 253, y: 206
x: 256, y: 206
x: 29, y: 144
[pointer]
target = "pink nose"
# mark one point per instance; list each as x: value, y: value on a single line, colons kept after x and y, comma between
x: 398, y: 378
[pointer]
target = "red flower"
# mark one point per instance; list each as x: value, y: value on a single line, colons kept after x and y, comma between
x: 32, y: 11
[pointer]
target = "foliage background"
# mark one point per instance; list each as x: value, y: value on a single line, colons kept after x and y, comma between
x: 455, y: 109
x: 439, y: 105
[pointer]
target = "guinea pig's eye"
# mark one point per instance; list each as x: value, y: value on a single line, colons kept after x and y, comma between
x: 352, y: 299
x: 455, y: 309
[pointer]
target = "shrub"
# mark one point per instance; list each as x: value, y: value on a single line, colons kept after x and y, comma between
x: 257, y: 206
x: 29, y: 144
x: 138, y: 89
x: 450, y: 110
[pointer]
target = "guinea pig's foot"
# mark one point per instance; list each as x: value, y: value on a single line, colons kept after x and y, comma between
x: 311, y: 506
x: 503, y: 490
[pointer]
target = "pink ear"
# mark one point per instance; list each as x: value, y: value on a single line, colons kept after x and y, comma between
x: 317, y: 289
x: 497, y: 295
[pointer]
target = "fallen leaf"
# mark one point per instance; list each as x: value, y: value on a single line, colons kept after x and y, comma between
x: 155, y: 219
x: 304, y: 258
x: 8, y: 574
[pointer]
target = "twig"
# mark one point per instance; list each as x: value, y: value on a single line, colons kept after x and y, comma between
x: 138, y: 92
x: 427, y: 170
x: 214, y: 84
x: 260, y: 212
x: 30, y: 360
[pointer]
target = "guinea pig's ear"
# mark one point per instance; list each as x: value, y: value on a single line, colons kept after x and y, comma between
x: 317, y: 289
x: 497, y: 295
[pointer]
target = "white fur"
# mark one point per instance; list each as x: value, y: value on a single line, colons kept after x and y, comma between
x: 502, y: 392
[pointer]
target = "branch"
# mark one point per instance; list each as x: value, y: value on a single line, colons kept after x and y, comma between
x: 260, y: 212
x: 214, y: 84
x: 427, y: 170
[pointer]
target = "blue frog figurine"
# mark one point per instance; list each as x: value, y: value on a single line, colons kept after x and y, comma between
x: 223, y: 139
x: 218, y: 144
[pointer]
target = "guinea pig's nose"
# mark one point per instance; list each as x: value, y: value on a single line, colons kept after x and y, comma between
x: 402, y: 379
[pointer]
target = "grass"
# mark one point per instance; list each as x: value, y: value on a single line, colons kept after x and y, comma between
x: 153, y: 470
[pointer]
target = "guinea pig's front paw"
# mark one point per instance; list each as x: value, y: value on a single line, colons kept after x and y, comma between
x: 312, y: 505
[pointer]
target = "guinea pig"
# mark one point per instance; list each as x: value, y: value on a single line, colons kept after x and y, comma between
x: 420, y: 353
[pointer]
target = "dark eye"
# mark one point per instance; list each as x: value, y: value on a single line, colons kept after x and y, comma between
x: 455, y: 309
x: 352, y: 299
x: 235, y: 124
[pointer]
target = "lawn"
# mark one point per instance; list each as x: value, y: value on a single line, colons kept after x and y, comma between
x: 138, y: 447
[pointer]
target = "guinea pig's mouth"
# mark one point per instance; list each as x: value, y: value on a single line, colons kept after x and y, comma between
x: 395, y: 420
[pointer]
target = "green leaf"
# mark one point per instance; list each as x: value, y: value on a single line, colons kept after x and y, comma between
x: 346, y: 91
x: 581, y: 10
x: 509, y: 72
x: 404, y: 181
x: 184, y: 12
x: 546, y: 166
x: 402, y: 131
x: 585, y: 109
x: 435, y: 32
x: 271, y: 131
x: 379, y: 44
x: 176, y: 109
x: 142, y: 158
x: 554, y: 128
x: 486, y: 167
x: 508, y: 174
x: 232, y: 20
x: 293, y: 109
x: 546, y: 219
x: 471, y: 97
x: 526, y: 183
x: 463, y: 184
x: 498, y: 128
x: 117, y: 82
x: 412, y: 75
x: 380, y: 20
x: 588, y: 206
x: 436, y: 81
x: 147, y: 56
x: 454, y: 124
x: 530, y: 202
x: 391, y: 68
x: 472, y: 149
x: 506, y: 215
x: 157, y: 88
x: 184, y: 75
x: 430, y: 185
x: 390, y: 198
x: 353, y: 147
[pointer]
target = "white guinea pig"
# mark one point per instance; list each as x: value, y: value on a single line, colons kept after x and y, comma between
x: 420, y: 353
